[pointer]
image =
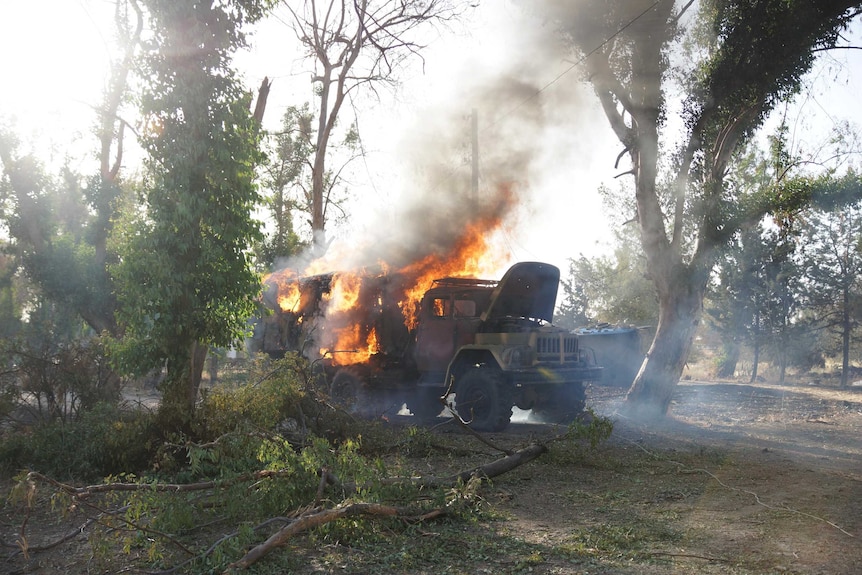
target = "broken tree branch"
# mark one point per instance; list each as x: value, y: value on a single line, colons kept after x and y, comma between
x: 487, y: 471
x: 82, y: 492
x: 450, y: 389
x: 317, y: 518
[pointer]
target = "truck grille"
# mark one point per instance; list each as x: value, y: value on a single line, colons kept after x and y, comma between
x: 559, y: 347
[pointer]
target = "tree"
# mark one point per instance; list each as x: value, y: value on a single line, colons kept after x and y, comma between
x: 353, y: 44
x: 289, y: 178
x: 778, y: 305
x: 607, y: 289
x: 741, y: 289
x: 748, y: 303
x: 627, y: 49
x: 283, y: 172
x: 730, y: 303
x: 831, y: 254
x: 10, y: 308
x: 60, y: 226
x: 185, y: 279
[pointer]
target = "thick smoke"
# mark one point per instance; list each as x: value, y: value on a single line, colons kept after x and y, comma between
x: 531, y: 106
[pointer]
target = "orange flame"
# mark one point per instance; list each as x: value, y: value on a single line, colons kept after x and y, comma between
x: 289, y: 297
x: 344, y: 293
x: 470, y: 256
x: 349, y: 348
x: 347, y: 336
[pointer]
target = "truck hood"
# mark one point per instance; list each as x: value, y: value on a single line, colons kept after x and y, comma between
x: 528, y: 290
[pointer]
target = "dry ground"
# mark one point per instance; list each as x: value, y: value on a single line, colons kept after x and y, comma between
x: 739, y: 479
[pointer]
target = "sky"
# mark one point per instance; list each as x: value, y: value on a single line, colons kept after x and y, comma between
x: 556, y: 144
x: 55, y: 57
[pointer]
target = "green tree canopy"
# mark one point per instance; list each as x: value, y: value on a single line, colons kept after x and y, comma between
x: 739, y: 59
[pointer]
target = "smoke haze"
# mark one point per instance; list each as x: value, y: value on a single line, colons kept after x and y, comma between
x: 536, y: 134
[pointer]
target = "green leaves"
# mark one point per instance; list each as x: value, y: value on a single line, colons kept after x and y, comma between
x: 184, y: 274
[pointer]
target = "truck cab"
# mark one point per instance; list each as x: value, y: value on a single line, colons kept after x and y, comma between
x: 493, y: 344
x: 450, y: 315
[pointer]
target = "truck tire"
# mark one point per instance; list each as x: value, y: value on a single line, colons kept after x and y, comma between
x: 561, y: 404
x: 484, y: 400
x: 347, y: 391
x: 425, y: 404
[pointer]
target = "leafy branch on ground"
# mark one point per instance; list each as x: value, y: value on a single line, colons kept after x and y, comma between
x: 246, y: 460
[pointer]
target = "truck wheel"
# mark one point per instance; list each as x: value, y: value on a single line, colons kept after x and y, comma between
x: 425, y: 404
x: 346, y: 391
x: 484, y: 400
x: 561, y: 405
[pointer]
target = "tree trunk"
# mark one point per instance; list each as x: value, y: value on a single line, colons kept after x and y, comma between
x: 679, y: 315
x: 197, y: 358
x: 181, y: 386
x: 213, y: 368
x: 318, y: 170
x: 846, y: 326
x: 782, y: 362
x: 755, y: 361
x: 726, y: 367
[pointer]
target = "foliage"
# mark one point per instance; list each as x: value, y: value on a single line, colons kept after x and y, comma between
x: 52, y: 227
x: 60, y: 225
x: 831, y: 261
x: 286, y: 179
x: 728, y: 88
x: 763, y: 258
x: 57, y: 379
x: 582, y: 439
x: 260, y: 469
x: 185, y: 278
x: 274, y: 392
x: 612, y: 290
x: 731, y: 306
x: 103, y: 440
x: 11, y: 321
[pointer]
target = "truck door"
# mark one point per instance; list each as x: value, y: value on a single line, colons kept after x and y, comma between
x: 435, y: 336
x: 465, y: 314
x: 447, y: 322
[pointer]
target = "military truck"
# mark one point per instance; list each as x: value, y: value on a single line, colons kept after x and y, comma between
x: 619, y: 349
x: 490, y: 343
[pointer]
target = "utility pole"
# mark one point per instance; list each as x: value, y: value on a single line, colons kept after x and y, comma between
x: 474, y: 180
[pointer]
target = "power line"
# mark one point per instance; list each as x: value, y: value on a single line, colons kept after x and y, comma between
x: 574, y: 65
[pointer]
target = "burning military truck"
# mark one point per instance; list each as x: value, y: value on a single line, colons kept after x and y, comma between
x: 491, y: 343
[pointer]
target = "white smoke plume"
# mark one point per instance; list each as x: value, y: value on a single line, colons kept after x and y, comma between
x: 535, y: 119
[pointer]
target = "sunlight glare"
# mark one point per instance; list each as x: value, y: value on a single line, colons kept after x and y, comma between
x: 54, y: 67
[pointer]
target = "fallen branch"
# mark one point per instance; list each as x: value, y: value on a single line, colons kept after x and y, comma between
x: 305, y: 519
x: 23, y: 547
x: 487, y: 471
x: 498, y: 467
x: 215, y: 545
x: 82, y: 492
x: 691, y: 556
x: 318, y: 518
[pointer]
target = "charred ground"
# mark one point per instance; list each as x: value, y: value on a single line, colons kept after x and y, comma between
x: 741, y: 478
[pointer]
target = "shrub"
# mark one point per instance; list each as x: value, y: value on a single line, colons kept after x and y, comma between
x: 102, y: 441
x: 58, y: 381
